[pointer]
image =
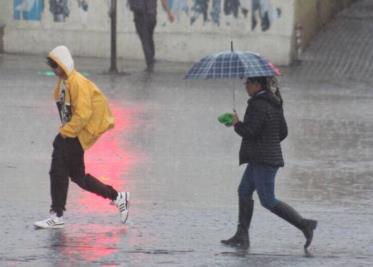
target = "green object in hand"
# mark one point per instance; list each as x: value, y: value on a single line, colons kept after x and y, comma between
x: 226, y: 119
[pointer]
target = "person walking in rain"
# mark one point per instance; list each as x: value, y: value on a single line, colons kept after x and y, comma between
x: 145, y: 18
x: 262, y: 130
x: 85, y: 115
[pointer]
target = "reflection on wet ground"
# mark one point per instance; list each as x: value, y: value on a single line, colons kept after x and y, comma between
x: 180, y: 166
x: 85, y: 242
x: 111, y: 159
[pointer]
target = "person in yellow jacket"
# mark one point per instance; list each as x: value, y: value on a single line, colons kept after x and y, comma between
x: 85, y: 115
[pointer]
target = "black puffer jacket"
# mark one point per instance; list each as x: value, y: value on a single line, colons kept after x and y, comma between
x: 262, y: 130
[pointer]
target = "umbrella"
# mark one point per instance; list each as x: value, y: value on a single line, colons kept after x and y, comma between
x: 232, y: 64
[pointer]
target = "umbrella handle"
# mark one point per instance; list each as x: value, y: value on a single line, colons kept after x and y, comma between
x: 234, y: 95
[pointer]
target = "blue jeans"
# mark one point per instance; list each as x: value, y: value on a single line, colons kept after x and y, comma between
x: 259, y: 177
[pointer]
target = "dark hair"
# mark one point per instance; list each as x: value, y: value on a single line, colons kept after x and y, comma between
x: 261, y: 80
x: 51, y: 63
x: 269, y: 84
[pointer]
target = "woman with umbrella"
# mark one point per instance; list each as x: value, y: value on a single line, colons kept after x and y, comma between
x: 262, y: 130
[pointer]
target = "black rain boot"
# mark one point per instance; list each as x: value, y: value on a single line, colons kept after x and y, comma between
x: 290, y: 215
x: 241, y: 237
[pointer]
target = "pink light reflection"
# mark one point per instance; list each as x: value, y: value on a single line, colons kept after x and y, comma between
x: 111, y: 159
x: 88, y: 242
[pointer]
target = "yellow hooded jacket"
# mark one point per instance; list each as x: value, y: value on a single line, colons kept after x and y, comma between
x: 91, y: 115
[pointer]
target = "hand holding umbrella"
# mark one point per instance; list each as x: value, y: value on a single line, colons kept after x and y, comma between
x: 235, y: 117
x: 232, y: 64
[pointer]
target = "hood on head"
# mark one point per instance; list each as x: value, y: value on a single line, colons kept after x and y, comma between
x: 62, y: 56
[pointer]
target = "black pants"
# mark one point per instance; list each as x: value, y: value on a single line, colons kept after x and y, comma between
x: 145, y: 25
x: 68, y: 161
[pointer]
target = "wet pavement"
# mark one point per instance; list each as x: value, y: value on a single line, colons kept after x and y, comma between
x: 181, y: 165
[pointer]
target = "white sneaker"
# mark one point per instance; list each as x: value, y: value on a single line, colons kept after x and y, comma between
x: 122, y: 203
x: 52, y: 222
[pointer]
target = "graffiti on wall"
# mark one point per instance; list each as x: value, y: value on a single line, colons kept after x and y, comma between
x: 59, y: 9
x: 178, y: 7
x: 259, y: 14
x: 83, y: 10
x: 28, y: 9
x: 263, y: 15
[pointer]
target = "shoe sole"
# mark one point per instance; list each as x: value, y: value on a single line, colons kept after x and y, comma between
x: 235, y: 244
x: 59, y: 226
x: 127, y: 197
x: 125, y: 220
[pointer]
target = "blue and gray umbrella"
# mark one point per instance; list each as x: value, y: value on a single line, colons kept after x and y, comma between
x: 232, y: 64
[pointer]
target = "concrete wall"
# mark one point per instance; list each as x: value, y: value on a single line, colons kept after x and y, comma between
x: 312, y: 15
x: 263, y: 26
x: 1, y: 38
x: 2, y: 25
x: 197, y: 31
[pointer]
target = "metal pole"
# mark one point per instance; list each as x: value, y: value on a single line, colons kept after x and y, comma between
x: 234, y: 94
x: 113, y: 11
